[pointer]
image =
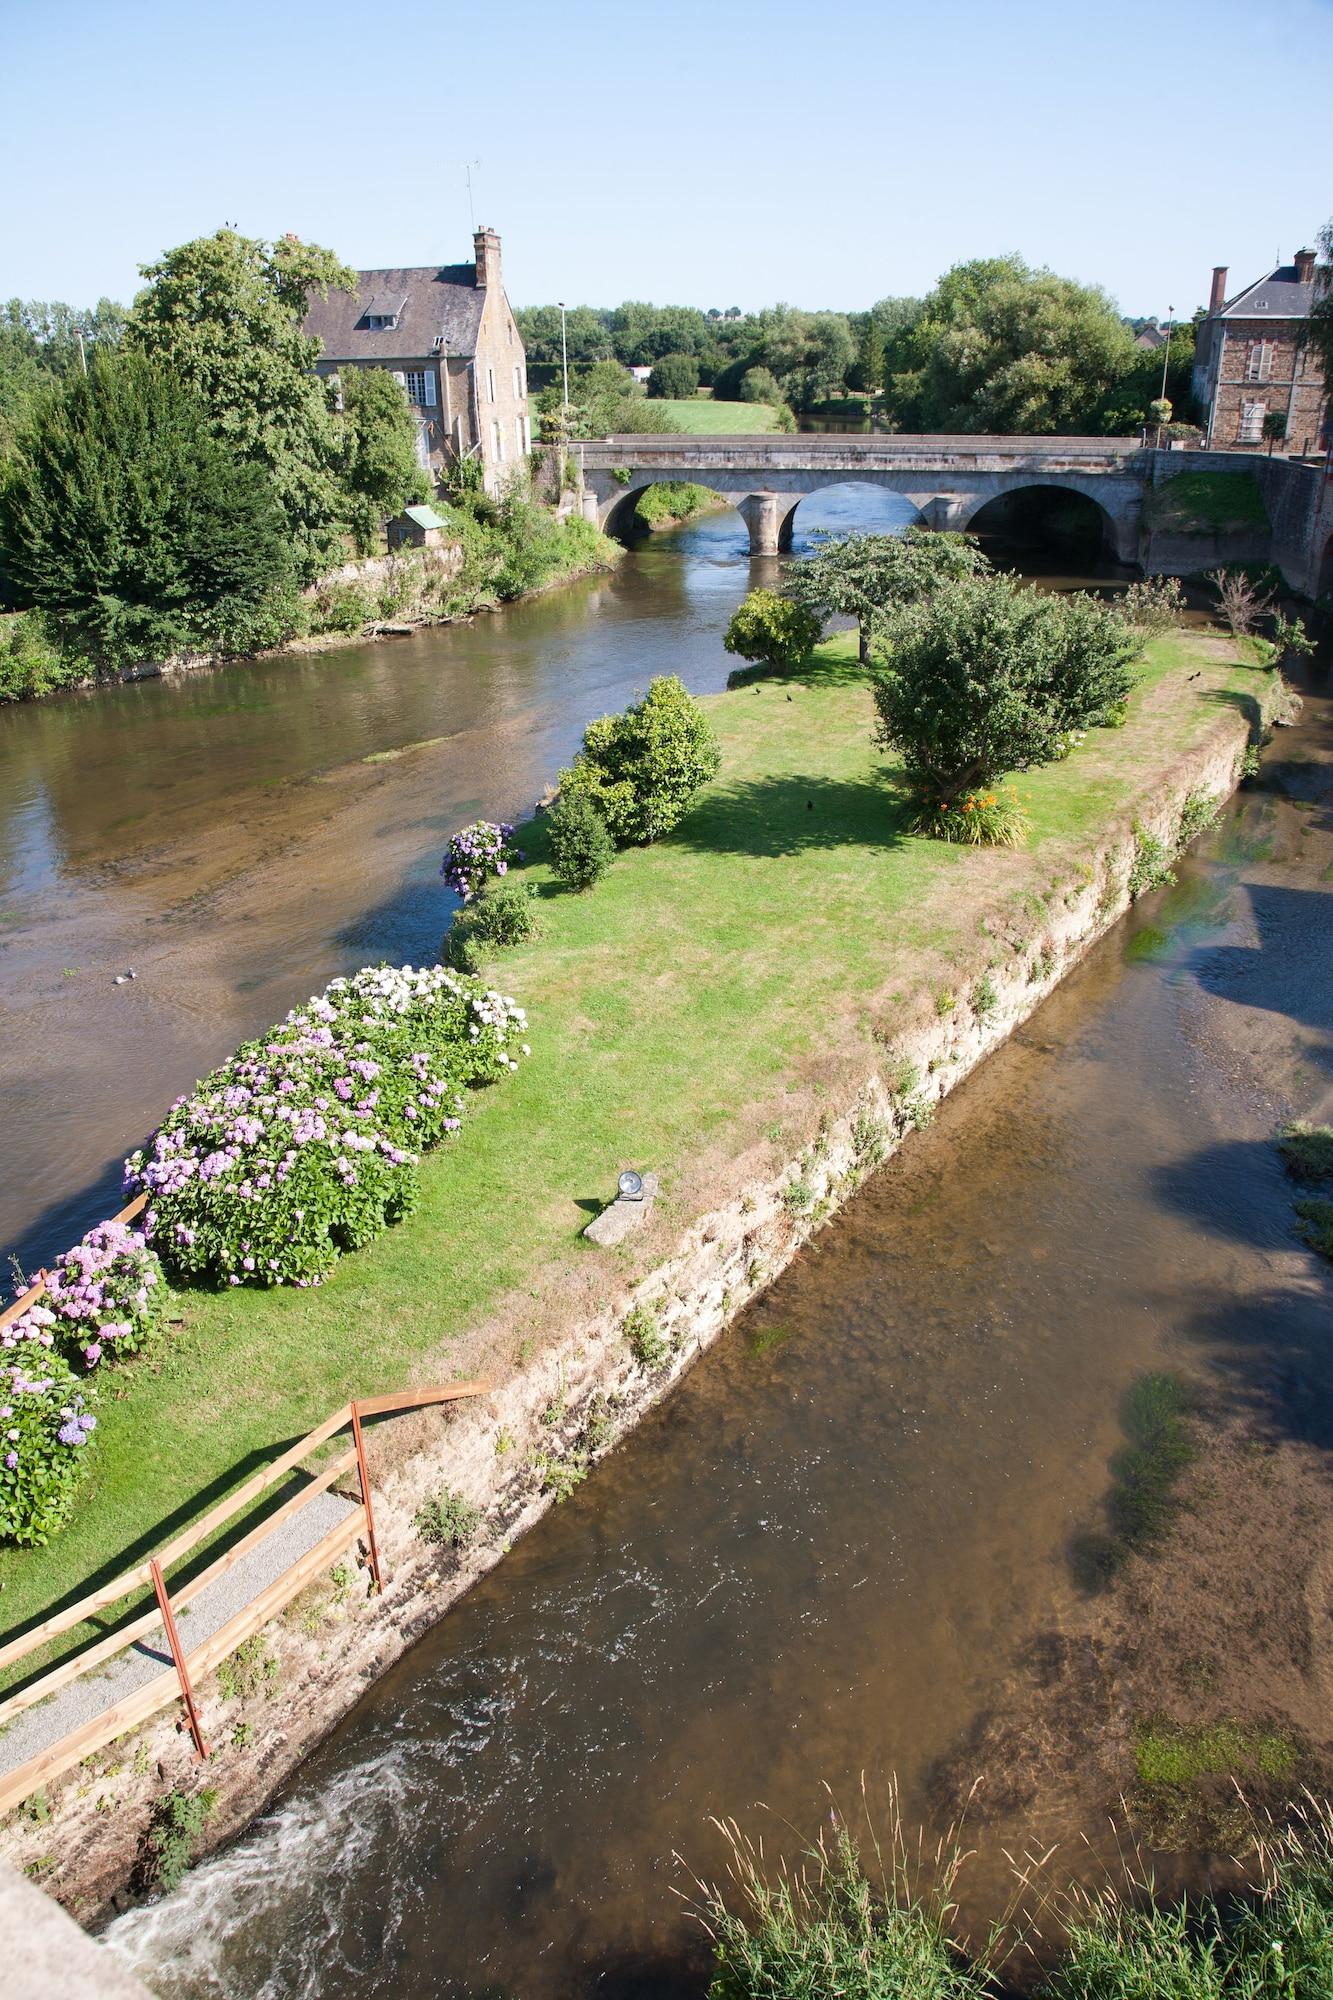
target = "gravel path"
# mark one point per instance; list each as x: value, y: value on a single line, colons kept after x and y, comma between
x: 38, y: 1727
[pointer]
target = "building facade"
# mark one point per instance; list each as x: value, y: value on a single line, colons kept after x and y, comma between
x: 1252, y: 360
x: 446, y: 332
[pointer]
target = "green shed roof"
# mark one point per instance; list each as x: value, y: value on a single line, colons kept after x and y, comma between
x: 425, y: 517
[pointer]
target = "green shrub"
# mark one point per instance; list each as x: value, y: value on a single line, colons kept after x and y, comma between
x: 1197, y: 814
x: 1307, y: 1150
x: 1155, y: 605
x: 581, y: 847
x: 987, y: 676
x: 340, y: 607
x: 773, y: 630
x: 1316, y: 1218
x: 647, y: 1342
x: 985, y: 998
x: 251, y: 1670
x: 45, y: 1424
x: 177, y: 1821
x: 1151, y: 867
x: 448, y: 1521
x: 642, y: 769
x: 31, y: 663
x: 674, y: 378
x: 493, y: 922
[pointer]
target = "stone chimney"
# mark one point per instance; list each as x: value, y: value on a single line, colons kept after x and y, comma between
x: 1304, y: 267
x: 487, y: 246
x: 1219, y: 292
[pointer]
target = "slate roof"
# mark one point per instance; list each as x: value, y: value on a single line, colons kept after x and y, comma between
x: 437, y: 299
x: 1278, y: 296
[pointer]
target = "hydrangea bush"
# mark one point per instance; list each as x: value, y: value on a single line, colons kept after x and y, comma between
x: 45, y: 1424
x: 306, y: 1142
x: 104, y: 1298
x: 478, y: 852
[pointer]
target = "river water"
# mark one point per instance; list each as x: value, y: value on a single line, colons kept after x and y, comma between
x: 831, y: 1551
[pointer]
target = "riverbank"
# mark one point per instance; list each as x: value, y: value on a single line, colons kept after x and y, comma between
x: 492, y: 563
x: 663, y: 1007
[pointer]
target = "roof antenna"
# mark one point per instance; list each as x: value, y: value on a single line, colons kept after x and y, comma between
x: 468, y: 165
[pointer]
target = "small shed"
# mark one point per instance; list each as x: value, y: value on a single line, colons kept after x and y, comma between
x: 417, y: 528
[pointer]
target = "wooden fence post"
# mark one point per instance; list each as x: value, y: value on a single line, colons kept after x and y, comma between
x: 364, y: 1475
x: 182, y: 1671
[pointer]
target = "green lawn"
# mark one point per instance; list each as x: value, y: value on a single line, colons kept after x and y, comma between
x: 670, y: 1010
x: 702, y: 417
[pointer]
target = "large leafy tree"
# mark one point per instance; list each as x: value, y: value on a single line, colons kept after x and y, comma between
x: 130, y: 526
x: 858, y: 575
x: 1000, y: 347
x: 379, y: 463
x: 39, y: 345
x: 987, y: 676
x: 223, y: 315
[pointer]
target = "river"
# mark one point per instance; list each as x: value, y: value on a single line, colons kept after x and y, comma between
x: 834, y: 1550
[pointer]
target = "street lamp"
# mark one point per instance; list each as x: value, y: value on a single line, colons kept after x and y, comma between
x: 1166, y: 352
x: 564, y: 361
x: 83, y: 359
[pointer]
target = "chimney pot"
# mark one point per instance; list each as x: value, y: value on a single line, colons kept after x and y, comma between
x: 1219, y: 292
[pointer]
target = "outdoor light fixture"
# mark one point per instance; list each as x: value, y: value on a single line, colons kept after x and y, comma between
x: 630, y: 1186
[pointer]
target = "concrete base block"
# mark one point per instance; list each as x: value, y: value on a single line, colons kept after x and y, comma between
x: 614, y: 1224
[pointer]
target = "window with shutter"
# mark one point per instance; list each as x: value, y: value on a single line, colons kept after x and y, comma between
x: 1251, y: 423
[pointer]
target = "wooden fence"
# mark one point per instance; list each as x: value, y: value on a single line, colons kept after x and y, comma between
x: 178, y: 1681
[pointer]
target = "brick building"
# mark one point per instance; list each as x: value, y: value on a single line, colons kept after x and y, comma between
x: 1252, y: 359
x: 447, y: 334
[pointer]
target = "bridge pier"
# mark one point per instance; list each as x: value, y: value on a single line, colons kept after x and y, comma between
x: 763, y: 515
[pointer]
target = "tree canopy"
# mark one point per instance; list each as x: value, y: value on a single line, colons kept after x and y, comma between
x: 379, y: 455
x: 223, y: 316
x: 858, y: 575
x: 130, y: 526
x: 1319, y: 327
x: 1000, y: 347
x: 986, y: 676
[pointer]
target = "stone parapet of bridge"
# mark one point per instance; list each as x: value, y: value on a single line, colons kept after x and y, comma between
x: 948, y: 479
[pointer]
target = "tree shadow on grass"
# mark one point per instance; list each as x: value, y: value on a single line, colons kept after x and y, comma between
x: 815, y: 672
x: 1243, y: 703
x: 798, y: 812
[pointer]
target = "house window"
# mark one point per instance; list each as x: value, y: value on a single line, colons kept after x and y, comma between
x: 420, y: 383
x: 1251, y: 423
x: 518, y: 383
x: 381, y: 322
x: 1260, y: 364
x: 520, y: 433
x: 497, y: 442
x: 490, y: 385
x: 423, y: 444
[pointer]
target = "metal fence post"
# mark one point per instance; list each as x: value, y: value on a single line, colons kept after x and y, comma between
x: 178, y: 1656
x: 364, y: 1474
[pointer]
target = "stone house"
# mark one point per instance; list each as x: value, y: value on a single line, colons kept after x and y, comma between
x: 1251, y: 358
x: 446, y: 332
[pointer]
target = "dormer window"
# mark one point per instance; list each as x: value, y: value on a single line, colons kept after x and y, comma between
x: 382, y: 311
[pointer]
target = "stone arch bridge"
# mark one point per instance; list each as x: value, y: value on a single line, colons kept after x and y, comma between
x: 948, y: 479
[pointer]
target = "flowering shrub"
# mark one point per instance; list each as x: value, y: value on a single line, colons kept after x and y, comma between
x: 478, y: 852
x: 104, y: 1298
x: 44, y: 1426
x: 306, y: 1142
x: 977, y: 819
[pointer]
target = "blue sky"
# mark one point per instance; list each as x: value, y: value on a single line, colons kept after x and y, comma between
x: 728, y: 153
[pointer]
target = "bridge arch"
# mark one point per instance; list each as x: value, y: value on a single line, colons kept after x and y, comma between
x: 616, y: 516
x: 897, y: 511
x: 1117, y: 534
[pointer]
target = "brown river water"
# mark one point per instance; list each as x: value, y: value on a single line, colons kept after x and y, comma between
x: 829, y: 1552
